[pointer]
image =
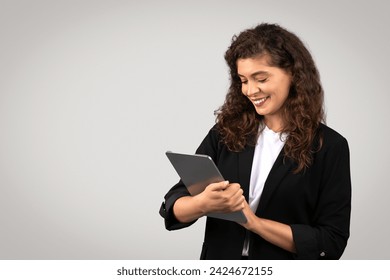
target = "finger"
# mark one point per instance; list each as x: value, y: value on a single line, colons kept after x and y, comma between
x: 220, y: 186
x: 235, y: 197
x: 233, y: 189
x: 239, y: 203
x: 234, y: 203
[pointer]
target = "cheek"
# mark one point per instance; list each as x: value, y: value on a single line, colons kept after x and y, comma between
x: 284, y: 92
x: 282, y: 98
x: 280, y: 92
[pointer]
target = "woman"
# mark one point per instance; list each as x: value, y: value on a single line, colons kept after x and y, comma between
x: 285, y: 169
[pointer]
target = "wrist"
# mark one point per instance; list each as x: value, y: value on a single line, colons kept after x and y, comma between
x: 199, y: 205
x: 253, y: 223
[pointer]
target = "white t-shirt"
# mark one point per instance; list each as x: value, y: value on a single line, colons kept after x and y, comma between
x: 268, y: 146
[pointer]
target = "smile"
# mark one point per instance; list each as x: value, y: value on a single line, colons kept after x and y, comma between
x: 259, y: 102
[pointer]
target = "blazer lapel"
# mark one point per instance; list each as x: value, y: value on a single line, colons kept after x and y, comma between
x: 245, y: 159
x: 278, y: 171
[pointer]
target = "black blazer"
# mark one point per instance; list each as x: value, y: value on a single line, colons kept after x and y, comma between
x: 316, y: 203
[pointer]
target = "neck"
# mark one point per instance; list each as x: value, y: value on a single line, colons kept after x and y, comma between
x: 274, y: 123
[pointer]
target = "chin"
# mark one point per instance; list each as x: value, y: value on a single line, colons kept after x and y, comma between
x: 261, y: 112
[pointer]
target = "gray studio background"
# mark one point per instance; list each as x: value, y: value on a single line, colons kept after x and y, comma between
x: 92, y: 93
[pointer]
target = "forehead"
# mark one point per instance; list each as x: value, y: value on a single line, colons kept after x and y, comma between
x: 259, y: 66
x: 254, y: 64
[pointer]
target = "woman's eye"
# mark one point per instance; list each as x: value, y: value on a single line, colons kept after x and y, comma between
x: 244, y: 82
x: 262, y: 80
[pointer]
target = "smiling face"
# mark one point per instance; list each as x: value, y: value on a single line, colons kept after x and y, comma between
x: 267, y: 87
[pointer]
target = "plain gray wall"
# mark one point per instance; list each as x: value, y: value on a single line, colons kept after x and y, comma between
x: 92, y: 93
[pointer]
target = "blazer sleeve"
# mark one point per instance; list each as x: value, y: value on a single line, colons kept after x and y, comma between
x: 209, y: 146
x: 327, y: 237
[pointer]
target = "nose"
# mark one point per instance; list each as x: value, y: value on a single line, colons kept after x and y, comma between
x: 252, y: 89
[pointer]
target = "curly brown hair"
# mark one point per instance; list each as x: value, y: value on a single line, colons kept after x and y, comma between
x: 237, y: 120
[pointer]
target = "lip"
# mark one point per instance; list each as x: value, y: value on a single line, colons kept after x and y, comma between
x: 258, y: 102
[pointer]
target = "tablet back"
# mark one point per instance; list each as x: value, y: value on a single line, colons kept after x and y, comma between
x: 196, y: 171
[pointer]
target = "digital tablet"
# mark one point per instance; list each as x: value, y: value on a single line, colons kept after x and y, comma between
x: 197, y: 172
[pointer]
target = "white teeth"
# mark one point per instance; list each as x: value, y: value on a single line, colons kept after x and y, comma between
x: 259, y: 101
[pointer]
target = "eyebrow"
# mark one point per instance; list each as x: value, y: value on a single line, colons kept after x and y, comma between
x: 255, y: 74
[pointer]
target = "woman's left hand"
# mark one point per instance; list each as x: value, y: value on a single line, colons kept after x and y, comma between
x: 274, y: 232
x: 250, y: 217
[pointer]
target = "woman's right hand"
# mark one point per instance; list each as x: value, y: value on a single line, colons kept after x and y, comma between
x: 219, y: 197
